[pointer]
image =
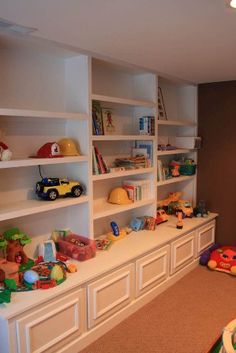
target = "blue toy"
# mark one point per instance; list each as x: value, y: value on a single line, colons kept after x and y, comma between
x: 115, y: 229
x: 137, y: 224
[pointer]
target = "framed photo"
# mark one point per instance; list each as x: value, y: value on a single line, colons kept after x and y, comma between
x: 97, y: 118
x: 161, y: 106
x: 108, y: 121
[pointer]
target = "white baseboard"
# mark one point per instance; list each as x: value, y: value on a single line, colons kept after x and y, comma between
x: 92, y: 335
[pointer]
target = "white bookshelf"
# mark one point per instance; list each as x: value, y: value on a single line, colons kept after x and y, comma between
x: 180, y: 101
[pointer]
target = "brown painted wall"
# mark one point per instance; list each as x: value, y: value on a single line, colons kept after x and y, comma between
x: 217, y: 158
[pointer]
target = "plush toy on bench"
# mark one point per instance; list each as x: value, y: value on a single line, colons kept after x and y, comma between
x: 223, y: 259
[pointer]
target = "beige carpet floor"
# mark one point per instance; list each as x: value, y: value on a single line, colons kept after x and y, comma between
x: 186, y: 318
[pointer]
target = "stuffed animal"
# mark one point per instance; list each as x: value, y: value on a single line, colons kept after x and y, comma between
x: 223, y: 259
x: 5, y: 153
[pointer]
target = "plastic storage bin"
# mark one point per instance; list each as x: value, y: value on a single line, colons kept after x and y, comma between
x: 77, y: 247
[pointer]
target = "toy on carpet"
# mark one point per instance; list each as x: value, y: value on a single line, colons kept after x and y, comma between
x: 223, y: 259
x: 205, y: 256
x: 226, y: 342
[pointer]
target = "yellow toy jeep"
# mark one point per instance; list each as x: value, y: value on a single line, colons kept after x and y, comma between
x: 52, y: 188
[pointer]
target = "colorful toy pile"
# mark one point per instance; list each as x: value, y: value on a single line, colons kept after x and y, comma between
x: 19, y: 273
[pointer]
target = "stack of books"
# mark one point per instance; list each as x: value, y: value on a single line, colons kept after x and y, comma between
x: 147, y: 149
x: 132, y: 162
x: 99, y: 164
x: 138, y: 189
x: 147, y: 125
x: 163, y: 173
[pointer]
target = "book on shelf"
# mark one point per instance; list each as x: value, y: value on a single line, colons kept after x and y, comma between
x: 98, y: 128
x: 147, y: 125
x: 148, y: 146
x: 95, y: 163
x: 139, y: 161
x: 138, y: 189
x: 99, y: 164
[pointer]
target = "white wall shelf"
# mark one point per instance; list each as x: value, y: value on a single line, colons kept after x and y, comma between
x: 122, y: 174
x: 123, y: 137
x: 176, y: 180
x: 41, y: 161
x: 123, y: 101
x: 104, y: 209
x: 28, y: 207
x: 176, y: 122
x: 176, y: 151
x: 42, y: 114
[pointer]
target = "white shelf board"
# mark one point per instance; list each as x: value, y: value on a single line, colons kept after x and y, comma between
x: 122, y: 173
x: 123, y: 101
x: 28, y: 207
x: 123, y: 137
x: 176, y: 151
x: 175, y: 180
x: 104, y: 208
x: 42, y: 114
x: 176, y: 122
x: 28, y: 162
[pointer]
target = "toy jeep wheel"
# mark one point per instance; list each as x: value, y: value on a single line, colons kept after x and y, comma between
x: 76, y: 191
x: 52, y: 194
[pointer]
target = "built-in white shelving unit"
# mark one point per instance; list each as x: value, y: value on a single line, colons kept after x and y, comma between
x: 47, y: 94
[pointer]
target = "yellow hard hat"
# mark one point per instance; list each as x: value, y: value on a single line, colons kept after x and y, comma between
x: 68, y: 147
x: 119, y: 196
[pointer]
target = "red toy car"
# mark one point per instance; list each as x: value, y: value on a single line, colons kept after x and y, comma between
x: 223, y: 259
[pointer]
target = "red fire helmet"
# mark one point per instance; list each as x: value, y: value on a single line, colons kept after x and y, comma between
x: 49, y: 150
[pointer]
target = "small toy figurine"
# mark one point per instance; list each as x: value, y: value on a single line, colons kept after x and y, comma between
x: 200, y: 210
x: 116, y: 233
x: 5, y: 153
x: 180, y: 224
x: 161, y: 216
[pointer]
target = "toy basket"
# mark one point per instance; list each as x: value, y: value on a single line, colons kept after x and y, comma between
x: 77, y: 247
x: 186, y: 169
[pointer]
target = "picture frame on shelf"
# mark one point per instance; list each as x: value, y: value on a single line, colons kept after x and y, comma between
x: 108, y: 121
x: 162, y: 115
x: 98, y: 128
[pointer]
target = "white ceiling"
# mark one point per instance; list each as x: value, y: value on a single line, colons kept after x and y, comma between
x: 191, y: 39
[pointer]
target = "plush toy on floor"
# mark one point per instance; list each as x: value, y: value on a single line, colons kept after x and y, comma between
x: 223, y: 259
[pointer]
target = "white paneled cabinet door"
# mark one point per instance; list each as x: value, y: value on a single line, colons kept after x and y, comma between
x: 109, y: 294
x: 151, y: 270
x: 182, y: 252
x: 205, y: 237
x: 46, y: 329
